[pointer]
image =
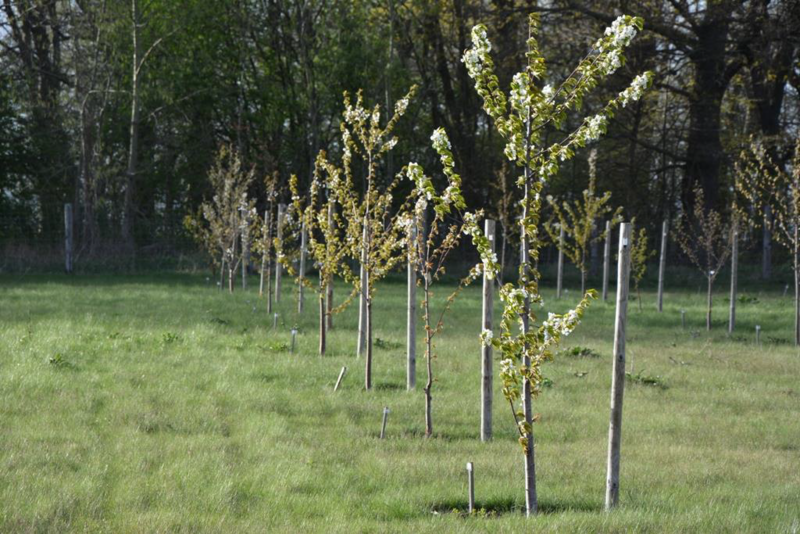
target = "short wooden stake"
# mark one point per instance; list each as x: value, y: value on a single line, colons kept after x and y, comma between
x: 411, y: 319
x: 560, y: 276
x: 294, y: 338
x: 68, y: 244
x: 486, y: 348
x: 383, y: 424
x: 618, y: 373
x: 662, y: 264
x: 471, y: 485
x: 606, y: 261
x: 339, y: 380
x: 278, y: 266
x: 683, y: 319
x: 758, y: 335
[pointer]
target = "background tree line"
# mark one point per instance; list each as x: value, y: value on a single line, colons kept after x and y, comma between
x: 119, y: 106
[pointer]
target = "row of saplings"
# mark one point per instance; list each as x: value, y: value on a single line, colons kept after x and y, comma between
x: 339, y: 223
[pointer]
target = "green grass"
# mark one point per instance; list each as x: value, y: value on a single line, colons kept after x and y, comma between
x: 158, y: 404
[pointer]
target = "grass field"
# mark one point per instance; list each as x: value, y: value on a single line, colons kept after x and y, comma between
x: 158, y: 404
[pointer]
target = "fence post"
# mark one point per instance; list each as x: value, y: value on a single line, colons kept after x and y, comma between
x: 302, y: 269
x: 618, y: 372
x: 278, y: 266
x: 734, y: 276
x: 606, y: 261
x: 68, y: 244
x: 486, y: 348
x: 411, y: 326
x: 662, y: 264
x: 560, y: 278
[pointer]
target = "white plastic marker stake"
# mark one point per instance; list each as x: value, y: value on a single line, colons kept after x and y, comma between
x: 758, y: 335
x: 274, y: 320
x: 383, y: 425
x: 294, y: 338
x: 339, y: 380
x: 683, y: 319
x: 471, y: 477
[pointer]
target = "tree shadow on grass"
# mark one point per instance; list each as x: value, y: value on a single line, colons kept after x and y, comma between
x: 506, y: 505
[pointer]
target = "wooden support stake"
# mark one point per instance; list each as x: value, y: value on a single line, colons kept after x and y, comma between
x: 486, y: 348
x: 339, y: 380
x: 68, y: 244
x: 362, y: 298
x: 618, y: 373
x: 383, y: 425
x: 606, y: 261
x: 471, y: 486
x: 329, y: 289
x: 302, y: 271
x: 411, y: 326
x: 734, y: 276
x: 662, y: 264
x: 278, y: 266
x: 245, y: 248
x: 560, y: 276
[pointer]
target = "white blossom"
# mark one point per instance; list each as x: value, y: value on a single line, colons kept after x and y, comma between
x: 621, y: 31
x: 486, y: 337
x: 440, y: 140
x: 635, y: 90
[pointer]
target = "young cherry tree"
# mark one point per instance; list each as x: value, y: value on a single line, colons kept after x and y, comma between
x: 579, y: 221
x: 521, y: 119
x: 265, y: 228
x: 376, y: 242
x: 705, y: 239
x: 430, y: 251
x: 227, y: 214
x: 640, y: 255
x: 327, y: 244
x: 767, y: 185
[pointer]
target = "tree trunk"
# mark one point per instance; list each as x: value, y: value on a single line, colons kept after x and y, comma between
x: 662, y: 265
x: 411, y: 317
x: 796, y: 262
x: 368, y: 335
x: 329, y: 286
x: 428, y: 355
x: 766, y: 250
x: 606, y: 261
x: 734, y: 276
x: 322, y: 333
x: 486, y: 350
x: 133, y: 150
x: 560, y: 275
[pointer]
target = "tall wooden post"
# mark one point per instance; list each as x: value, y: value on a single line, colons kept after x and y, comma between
x: 362, y: 298
x: 329, y: 288
x: 245, y: 247
x: 766, y: 251
x: 68, y: 243
x: 560, y: 276
x: 486, y: 348
x: 411, y: 326
x: 734, y: 275
x: 662, y: 265
x: 606, y: 261
x: 302, y: 270
x: 263, y: 280
x: 618, y: 372
x: 278, y: 266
